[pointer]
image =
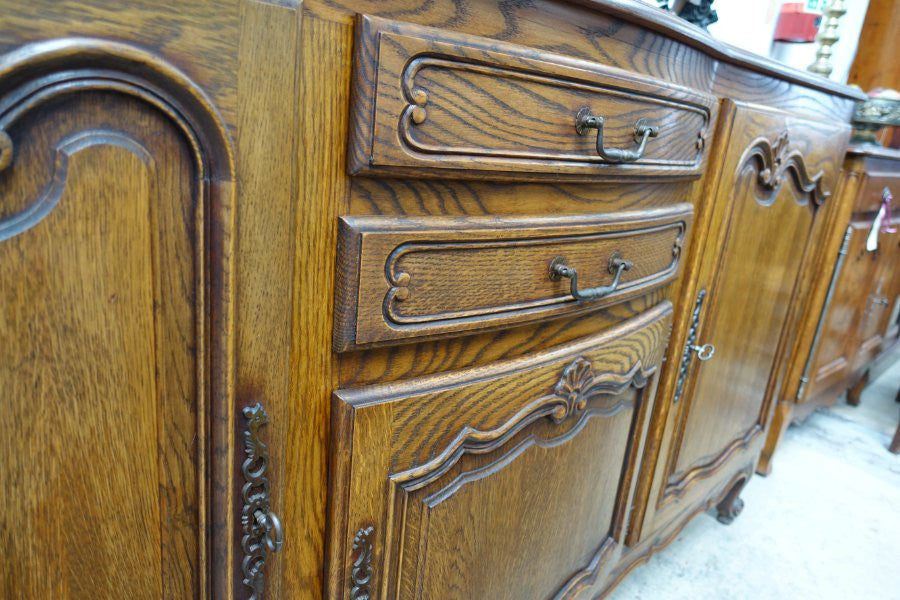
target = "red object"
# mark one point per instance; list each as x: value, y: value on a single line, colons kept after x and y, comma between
x: 796, y: 24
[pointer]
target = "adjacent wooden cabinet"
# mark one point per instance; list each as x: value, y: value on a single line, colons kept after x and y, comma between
x: 852, y: 315
x: 399, y: 299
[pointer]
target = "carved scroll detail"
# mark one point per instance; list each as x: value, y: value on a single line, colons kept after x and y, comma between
x: 255, y: 495
x: 577, y: 384
x: 33, y: 214
x: 416, y: 97
x: 36, y: 69
x: 775, y: 161
x: 588, y: 575
x: 361, y: 572
x: 677, y: 485
x: 399, y: 278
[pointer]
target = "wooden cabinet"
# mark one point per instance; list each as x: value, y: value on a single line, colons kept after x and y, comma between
x: 853, y: 313
x: 835, y: 356
x: 394, y: 298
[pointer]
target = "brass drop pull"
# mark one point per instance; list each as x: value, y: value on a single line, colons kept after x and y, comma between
x: 617, y: 264
x: 584, y: 120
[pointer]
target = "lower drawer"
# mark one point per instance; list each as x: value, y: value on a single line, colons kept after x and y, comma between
x: 415, y: 278
x: 874, y: 185
x: 512, y: 480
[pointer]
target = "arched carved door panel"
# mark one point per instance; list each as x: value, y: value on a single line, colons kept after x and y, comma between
x: 106, y: 197
x: 778, y: 173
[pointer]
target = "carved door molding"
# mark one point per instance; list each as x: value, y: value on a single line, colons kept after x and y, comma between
x: 528, y: 440
x: 778, y: 172
x: 768, y: 169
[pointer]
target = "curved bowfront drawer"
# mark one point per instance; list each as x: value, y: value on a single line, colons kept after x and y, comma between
x: 423, y: 277
x: 432, y: 476
x: 428, y: 101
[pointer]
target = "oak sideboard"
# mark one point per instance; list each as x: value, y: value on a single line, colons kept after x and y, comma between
x: 390, y: 299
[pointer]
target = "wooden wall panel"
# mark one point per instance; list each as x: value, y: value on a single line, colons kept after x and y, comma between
x: 875, y: 64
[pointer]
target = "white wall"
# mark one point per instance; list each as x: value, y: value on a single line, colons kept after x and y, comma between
x: 747, y: 24
x: 750, y: 24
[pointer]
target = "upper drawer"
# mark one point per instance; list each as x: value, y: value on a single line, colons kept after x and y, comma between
x: 871, y: 193
x: 433, y: 102
x: 418, y: 277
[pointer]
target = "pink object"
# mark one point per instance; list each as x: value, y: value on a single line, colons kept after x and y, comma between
x: 886, y: 199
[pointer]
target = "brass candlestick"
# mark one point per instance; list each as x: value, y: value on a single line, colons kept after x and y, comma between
x: 826, y: 38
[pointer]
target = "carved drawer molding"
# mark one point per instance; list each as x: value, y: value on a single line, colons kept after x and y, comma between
x: 435, y: 102
x: 412, y: 460
x: 423, y: 277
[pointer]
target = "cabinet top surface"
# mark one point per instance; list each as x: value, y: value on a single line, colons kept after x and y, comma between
x: 874, y: 151
x: 656, y: 19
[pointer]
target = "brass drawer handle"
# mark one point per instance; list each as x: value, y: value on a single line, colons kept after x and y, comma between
x: 584, y: 120
x: 617, y: 264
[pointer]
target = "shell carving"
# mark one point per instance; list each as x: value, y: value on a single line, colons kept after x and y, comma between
x: 573, y: 387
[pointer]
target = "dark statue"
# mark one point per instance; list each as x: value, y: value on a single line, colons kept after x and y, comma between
x: 698, y: 12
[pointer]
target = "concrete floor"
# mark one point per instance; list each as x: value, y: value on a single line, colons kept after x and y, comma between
x: 824, y: 525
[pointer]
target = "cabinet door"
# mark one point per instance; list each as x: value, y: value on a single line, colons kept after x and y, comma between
x: 511, y: 480
x: 104, y: 339
x: 777, y: 172
x: 875, y: 299
x: 840, y: 336
x: 891, y: 265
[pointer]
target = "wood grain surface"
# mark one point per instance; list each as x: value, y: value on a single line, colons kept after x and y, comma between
x: 427, y: 101
x: 537, y: 444
x: 873, y: 65
x: 417, y: 278
x: 750, y: 314
x: 105, y: 333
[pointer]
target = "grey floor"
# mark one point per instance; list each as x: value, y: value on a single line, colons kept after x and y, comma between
x: 825, y: 524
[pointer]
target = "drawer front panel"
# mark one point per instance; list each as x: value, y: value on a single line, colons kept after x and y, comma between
x: 429, y: 276
x: 538, y: 452
x: 870, y: 197
x: 427, y: 98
